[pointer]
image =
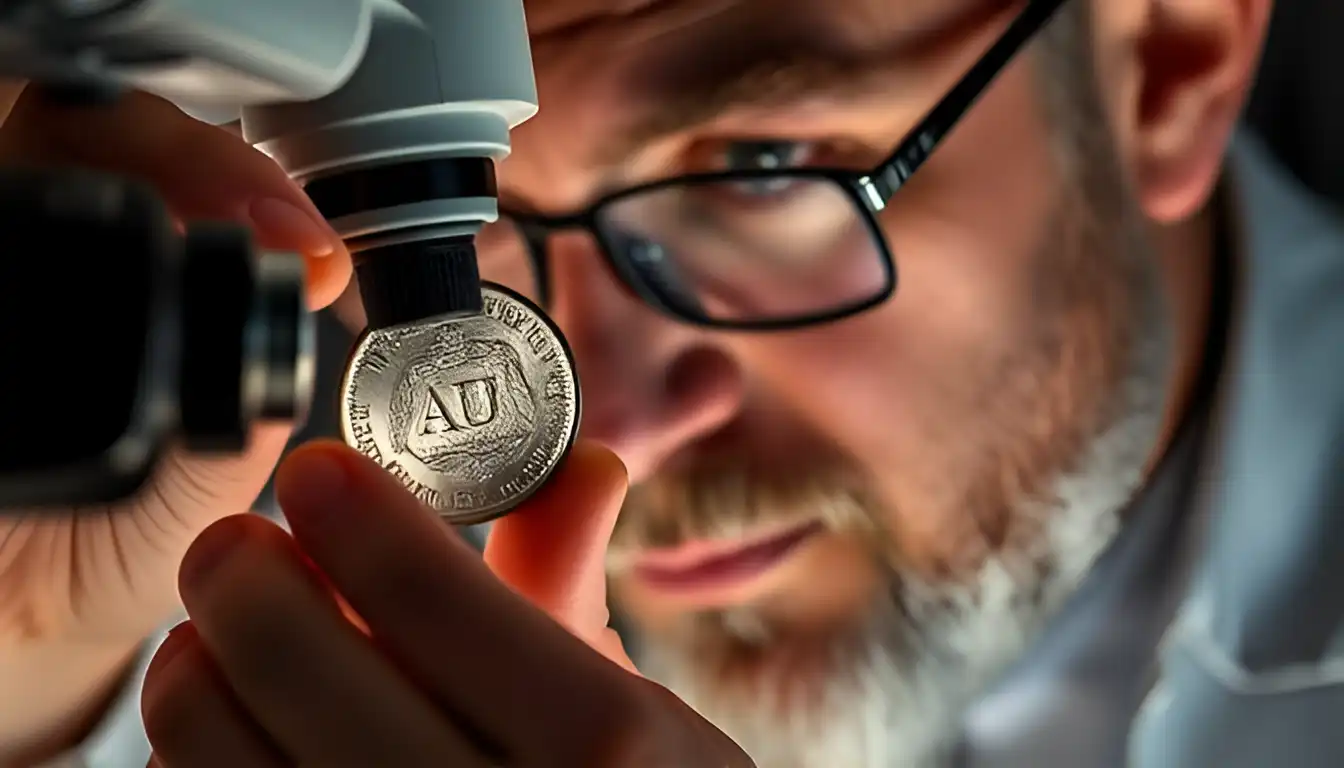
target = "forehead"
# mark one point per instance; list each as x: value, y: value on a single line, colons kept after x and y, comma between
x: 704, y: 56
x: 613, y: 76
x: 857, y: 19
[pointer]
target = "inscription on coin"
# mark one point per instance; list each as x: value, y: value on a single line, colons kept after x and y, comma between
x: 471, y: 414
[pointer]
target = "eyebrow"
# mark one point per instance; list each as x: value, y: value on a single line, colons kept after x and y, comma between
x: 778, y: 61
x: 700, y: 83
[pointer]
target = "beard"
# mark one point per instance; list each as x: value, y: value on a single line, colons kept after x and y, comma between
x: 1063, y: 429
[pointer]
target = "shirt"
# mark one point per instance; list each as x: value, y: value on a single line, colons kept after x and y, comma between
x: 1211, y: 633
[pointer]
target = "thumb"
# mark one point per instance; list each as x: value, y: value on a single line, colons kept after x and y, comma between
x: 552, y: 550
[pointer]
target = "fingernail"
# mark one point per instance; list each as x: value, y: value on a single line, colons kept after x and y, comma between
x: 293, y: 226
x: 176, y: 641
x: 211, y: 549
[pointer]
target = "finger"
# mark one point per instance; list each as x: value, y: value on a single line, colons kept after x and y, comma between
x: 552, y: 550
x: 202, y: 171
x: 10, y: 91
x: 306, y: 675
x: 471, y: 641
x: 192, y: 719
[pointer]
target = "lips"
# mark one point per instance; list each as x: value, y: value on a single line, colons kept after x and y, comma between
x: 699, y: 565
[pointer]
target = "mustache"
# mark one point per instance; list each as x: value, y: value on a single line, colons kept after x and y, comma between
x: 728, y: 498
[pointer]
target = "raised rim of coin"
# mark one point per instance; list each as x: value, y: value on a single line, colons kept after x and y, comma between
x: 489, y: 514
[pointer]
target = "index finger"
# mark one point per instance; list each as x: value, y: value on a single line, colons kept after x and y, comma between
x: 472, y: 642
x: 202, y: 171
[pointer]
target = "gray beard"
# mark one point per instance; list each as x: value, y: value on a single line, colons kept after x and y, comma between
x: 899, y: 688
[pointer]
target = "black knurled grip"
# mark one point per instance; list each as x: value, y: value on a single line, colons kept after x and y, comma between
x: 218, y: 289
x: 416, y: 281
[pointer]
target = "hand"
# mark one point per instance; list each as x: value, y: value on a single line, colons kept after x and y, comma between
x: 376, y: 637
x: 106, y: 577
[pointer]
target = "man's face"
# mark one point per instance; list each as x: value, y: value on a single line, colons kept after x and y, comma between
x: 837, y: 534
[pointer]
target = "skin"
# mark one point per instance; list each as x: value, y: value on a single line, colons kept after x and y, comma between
x: 901, y: 409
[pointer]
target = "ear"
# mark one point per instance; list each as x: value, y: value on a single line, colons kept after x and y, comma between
x: 1194, y: 62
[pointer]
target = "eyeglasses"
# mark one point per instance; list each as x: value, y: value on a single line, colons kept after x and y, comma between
x: 753, y: 250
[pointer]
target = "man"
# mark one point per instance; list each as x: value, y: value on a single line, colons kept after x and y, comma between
x: 871, y: 525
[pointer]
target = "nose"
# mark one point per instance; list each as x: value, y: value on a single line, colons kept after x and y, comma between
x: 651, y: 385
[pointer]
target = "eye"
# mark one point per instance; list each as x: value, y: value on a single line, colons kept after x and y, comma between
x: 769, y: 155
x: 766, y: 155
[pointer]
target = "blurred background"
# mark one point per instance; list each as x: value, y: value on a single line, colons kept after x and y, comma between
x: 1298, y: 106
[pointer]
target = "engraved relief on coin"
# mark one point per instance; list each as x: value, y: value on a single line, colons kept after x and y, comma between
x: 471, y: 414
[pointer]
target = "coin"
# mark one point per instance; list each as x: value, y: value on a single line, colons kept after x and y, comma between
x: 472, y: 414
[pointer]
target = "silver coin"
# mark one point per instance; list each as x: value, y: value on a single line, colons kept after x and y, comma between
x: 471, y: 414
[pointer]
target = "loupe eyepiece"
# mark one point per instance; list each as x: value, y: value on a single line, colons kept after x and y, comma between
x: 404, y: 152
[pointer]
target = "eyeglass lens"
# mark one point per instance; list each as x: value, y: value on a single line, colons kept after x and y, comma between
x: 737, y: 250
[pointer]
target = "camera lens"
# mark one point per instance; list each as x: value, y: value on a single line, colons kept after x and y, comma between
x: 284, y: 354
x: 247, y: 339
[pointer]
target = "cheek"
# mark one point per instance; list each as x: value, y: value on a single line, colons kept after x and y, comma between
x: 967, y: 238
x: 967, y: 233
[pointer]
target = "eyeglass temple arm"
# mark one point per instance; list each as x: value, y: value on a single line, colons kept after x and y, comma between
x: 882, y: 184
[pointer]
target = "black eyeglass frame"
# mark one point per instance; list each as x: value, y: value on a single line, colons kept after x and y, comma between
x: 871, y: 191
